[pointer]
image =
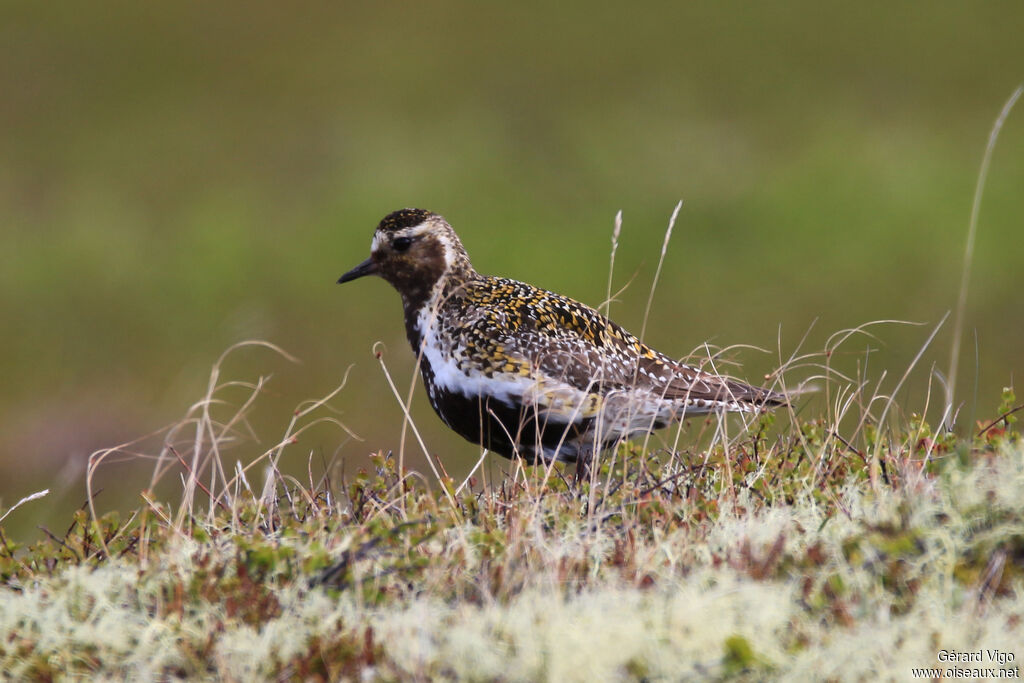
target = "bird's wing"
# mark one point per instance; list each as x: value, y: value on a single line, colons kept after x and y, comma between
x: 563, y: 340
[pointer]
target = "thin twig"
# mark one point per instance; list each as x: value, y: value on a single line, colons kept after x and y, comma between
x: 605, y: 308
x: 661, y: 260
x: 999, y: 419
x: 199, y: 483
x: 972, y: 229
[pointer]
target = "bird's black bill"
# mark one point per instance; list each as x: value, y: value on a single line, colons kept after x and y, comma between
x: 367, y: 267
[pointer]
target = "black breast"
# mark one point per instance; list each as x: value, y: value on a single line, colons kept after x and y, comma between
x: 506, y: 430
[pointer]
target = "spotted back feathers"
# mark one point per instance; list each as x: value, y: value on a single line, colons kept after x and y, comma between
x: 505, y: 326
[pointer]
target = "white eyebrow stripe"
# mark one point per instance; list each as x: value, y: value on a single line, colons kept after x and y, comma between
x: 415, y: 231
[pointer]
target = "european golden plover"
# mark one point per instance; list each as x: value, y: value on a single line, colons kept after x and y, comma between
x: 525, y: 372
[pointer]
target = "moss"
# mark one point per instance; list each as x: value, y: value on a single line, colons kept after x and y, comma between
x: 664, y: 568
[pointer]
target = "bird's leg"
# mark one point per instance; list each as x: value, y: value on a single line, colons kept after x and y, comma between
x: 584, y: 461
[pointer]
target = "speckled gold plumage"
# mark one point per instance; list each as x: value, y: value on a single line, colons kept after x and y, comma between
x: 524, y: 371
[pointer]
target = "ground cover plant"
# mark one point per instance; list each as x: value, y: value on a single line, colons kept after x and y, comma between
x: 857, y: 544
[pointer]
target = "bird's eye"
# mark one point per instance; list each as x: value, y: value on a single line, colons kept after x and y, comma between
x: 401, y: 243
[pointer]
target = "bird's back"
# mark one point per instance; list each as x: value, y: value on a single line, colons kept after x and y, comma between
x: 545, y: 355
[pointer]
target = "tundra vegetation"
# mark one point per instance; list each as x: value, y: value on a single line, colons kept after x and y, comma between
x: 856, y: 544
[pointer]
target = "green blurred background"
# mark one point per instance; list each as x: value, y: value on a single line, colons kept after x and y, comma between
x: 175, y: 179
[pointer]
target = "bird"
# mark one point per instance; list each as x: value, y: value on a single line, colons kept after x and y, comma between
x: 525, y: 372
